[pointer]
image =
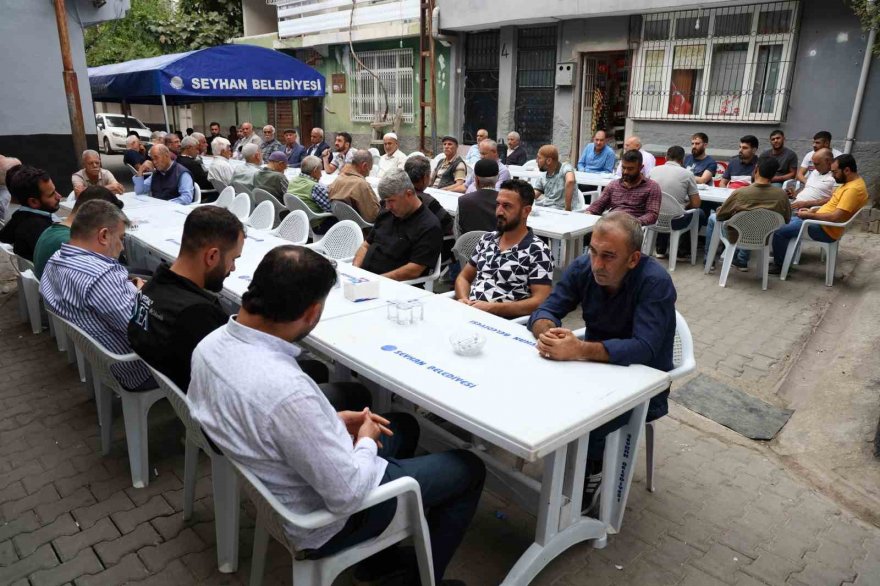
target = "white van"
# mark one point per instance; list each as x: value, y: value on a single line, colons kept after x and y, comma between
x: 112, y: 131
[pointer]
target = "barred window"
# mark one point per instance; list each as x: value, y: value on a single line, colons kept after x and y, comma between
x: 395, y: 68
x: 722, y: 64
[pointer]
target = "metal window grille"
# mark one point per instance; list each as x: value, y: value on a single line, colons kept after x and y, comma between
x: 395, y: 68
x: 720, y: 64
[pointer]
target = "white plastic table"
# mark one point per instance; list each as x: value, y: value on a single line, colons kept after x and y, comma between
x: 714, y: 194
x: 600, y: 180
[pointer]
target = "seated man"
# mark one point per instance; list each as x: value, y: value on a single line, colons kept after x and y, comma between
x: 93, y: 174
x: 393, y: 158
x: 6, y: 163
x: 270, y: 144
x: 135, y: 154
x: 477, y: 209
x: 511, y: 270
x: 221, y: 169
x: 172, y: 141
x: 317, y: 146
x: 628, y: 305
x: 418, y: 169
x: 406, y: 238
x: 516, y: 152
x: 760, y: 195
x: 488, y: 151
x: 846, y: 201
x: 597, y: 157
x: 820, y: 182
x: 54, y: 236
x: 244, y: 174
x: 451, y: 172
x: 699, y: 162
x: 35, y: 193
x: 308, y: 187
x: 632, y: 193
x: 742, y: 168
x: 634, y: 143
x: 214, y: 128
x: 558, y: 188
x: 280, y: 426
x: 85, y: 284
x: 292, y: 149
x: 680, y: 183
x: 189, y: 158
x: 170, y: 180
x: 353, y: 189
x: 787, y: 159
x: 203, y: 143
x: 473, y: 154
x: 821, y: 140
x: 248, y: 136
x: 272, y: 178
x: 341, y: 155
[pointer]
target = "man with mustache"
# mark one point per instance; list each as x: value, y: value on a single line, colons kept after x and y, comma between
x: 699, y: 162
x: 632, y: 193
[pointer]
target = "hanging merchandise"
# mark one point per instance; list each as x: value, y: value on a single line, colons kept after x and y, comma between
x: 600, y: 111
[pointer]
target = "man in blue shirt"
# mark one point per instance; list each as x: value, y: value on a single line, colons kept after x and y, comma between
x: 628, y: 304
x: 744, y: 164
x: 597, y: 157
x: 699, y: 162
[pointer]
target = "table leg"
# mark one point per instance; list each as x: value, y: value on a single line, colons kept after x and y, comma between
x: 621, y: 448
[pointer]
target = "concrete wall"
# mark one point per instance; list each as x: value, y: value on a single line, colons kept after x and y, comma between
x: 258, y: 18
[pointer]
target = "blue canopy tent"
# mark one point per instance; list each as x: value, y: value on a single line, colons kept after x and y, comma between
x: 227, y: 72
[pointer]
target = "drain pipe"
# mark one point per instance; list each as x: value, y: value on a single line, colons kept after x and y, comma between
x: 860, y: 92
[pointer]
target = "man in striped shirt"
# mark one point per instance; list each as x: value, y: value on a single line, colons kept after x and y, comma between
x: 85, y: 284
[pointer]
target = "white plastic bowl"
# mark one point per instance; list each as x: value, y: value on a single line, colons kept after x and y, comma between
x: 467, y: 342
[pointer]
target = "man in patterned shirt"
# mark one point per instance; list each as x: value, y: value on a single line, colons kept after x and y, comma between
x: 511, y: 271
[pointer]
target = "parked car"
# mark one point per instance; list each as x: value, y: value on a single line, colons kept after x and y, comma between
x: 113, y: 130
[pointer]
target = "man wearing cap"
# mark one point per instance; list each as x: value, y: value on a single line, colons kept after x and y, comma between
x: 476, y: 209
x: 488, y: 151
x: 295, y: 152
x: 272, y: 178
x: 450, y: 172
x: 393, y: 157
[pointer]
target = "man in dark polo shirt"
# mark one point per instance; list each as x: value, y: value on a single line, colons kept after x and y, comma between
x: 35, y: 193
x: 406, y: 238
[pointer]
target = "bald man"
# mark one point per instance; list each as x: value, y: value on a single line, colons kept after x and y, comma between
x: 558, y: 188
x: 473, y: 154
x: 634, y: 143
x: 248, y: 136
x: 820, y: 183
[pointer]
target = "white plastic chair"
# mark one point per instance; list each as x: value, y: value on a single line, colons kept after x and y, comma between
x: 683, y: 363
x: 29, y: 291
x: 272, y: 516
x: 294, y: 227
x: 197, y: 194
x: 430, y: 278
x: 224, y: 200
x: 219, y: 185
x: 341, y: 241
x: 829, y: 249
x: 531, y: 165
x: 263, y: 217
x: 135, y: 405
x: 374, y: 172
x: 755, y: 229
x: 71, y: 197
x: 343, y: 211
x: 415, y: 154
x: 227, y: 500
x: 436, y: 161
x: 241, y: 206
x: 671, y: 209
x: 261, y: 195
x: 464, y: 246
x: 294, y: 203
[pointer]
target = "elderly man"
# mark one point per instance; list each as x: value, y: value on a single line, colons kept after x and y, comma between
x: 352, y: 187
x: 38, y: 200
x: 393, y: 158
x: 788, y: 160
x: 558, y: 188
x: 253, y: 158
x: 317, y: 146
x: 342, y: 153
x: 477, y: 210
x: 634, y: 143
x: 488, y: 151
x: 6, y: 163
x: 221, y: 169
x: 272, y: 178
x: 203, y: 143
x: 681, y: 184
x: 172, y: 141
x: 157, y: 137
x: 451, y: 172
x: 93, y: 174
x: 632, y: 193
x: 406, y: 238
x: 821, y: 140
x: 189, y: 158
x: 170, y: 180
x: 598, y: 156
x: 628, y: 305
x: 135, y: 153
x: 511, y: 270
x: 418, y: 169
x: 820, y: 184
x: 699, y: 162
x: 473, y: 154
x: 294, y: 151
x: 516, y: 152
x: 741, y: 169
x: 85, y: 284
x: 247, y: 137
x: 308, y: 187
x: 270, y: 144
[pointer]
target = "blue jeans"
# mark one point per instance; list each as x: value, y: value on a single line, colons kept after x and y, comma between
x: 742, y: 256
x: 789, y: 231
x: 451, y: 484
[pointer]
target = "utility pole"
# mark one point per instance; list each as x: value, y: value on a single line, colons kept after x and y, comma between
x: 71, y: 87
x: 427, y: 74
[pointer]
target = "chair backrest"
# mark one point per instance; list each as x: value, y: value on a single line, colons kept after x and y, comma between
x: 343, y: 211
x: 261, y: 195
x: 755, y: 227
x: 197, y: 194
x: 341, y: 241
x: 71, y: 197
x: 224, y: 200
x: 683, y: 360
x: 670, y: 208
x: 376, y: 155
x: 181, y: 407
x: 219, y: 185
x: 294, y: 227
x: 99, y: 358
x: 436, y: 161
x: 293, y: 203
x: 132, y: 169
x: 242, y: 187
x: 241, y: 206
x: 531, y: 165
x: 465, y: 245
x: 263, y: 216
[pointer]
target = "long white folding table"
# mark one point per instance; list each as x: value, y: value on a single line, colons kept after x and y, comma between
x: 714, y: 194
x: 600, y: 180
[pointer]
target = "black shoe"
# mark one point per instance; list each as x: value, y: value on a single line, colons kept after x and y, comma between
x: 774, y: 269
x: 592, y: 487
x: 392, y: 566
x: 740, y: 267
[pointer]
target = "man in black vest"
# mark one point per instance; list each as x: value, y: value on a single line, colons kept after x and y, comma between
x: 170, y: 181
x: 317, y: 145
x: 450, y: 172
x: 189, y: 158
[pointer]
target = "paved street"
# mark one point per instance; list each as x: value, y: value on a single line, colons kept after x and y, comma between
x: 727, y: 510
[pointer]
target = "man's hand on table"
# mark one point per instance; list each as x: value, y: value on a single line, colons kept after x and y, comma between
x: 560, y: 344
x: 542, y: 325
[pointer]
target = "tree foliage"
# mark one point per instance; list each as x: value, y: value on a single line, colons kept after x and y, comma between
x: 159, y: 27
x: 869, y: 14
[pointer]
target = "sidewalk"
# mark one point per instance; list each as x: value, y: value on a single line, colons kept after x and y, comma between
x: 727, y: 510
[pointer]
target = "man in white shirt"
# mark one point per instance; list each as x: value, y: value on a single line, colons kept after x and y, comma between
x: 393, y: 157
x: 681, y: 184
x: 821, y: 140
x: 634, y: 143
x: 253, y: 158
x: 221, y: 169
x: 473, y: 154
x: 820, y: 182
x: 279, y: 425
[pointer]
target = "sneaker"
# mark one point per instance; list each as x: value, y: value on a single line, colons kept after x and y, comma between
x: 660, y: 255
x: 775, y: 269
x: 590, y: 502
x: 741, y: 268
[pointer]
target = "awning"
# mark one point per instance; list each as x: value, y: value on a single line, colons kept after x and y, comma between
x: 227, y: 72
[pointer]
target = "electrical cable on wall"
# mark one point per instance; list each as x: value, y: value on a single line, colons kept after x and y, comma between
x: 361, y: 63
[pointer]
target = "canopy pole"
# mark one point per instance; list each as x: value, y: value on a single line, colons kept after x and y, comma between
x: 165, y: 112
x: 125, y: 114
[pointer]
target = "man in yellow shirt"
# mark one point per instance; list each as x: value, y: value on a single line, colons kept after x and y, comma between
x: 846, y: 201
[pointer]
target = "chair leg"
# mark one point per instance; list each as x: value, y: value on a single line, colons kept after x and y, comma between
x: 729, y: 253
x: 22, y: 301
x: 85, y: 373
x: 134, y: 412
x: 831, y: 264
x: 33, y: 305
x: 790, y: 255
x: 695, y: 233
x: 797, y: 255
x: 227, y: 510
x: 104, y: 403
x: 190, y: 464
x: 674, y: 237
x: 649, y: 456
x: 258, y: 560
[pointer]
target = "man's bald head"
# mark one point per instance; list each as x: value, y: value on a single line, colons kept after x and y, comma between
x: 633, y: 143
